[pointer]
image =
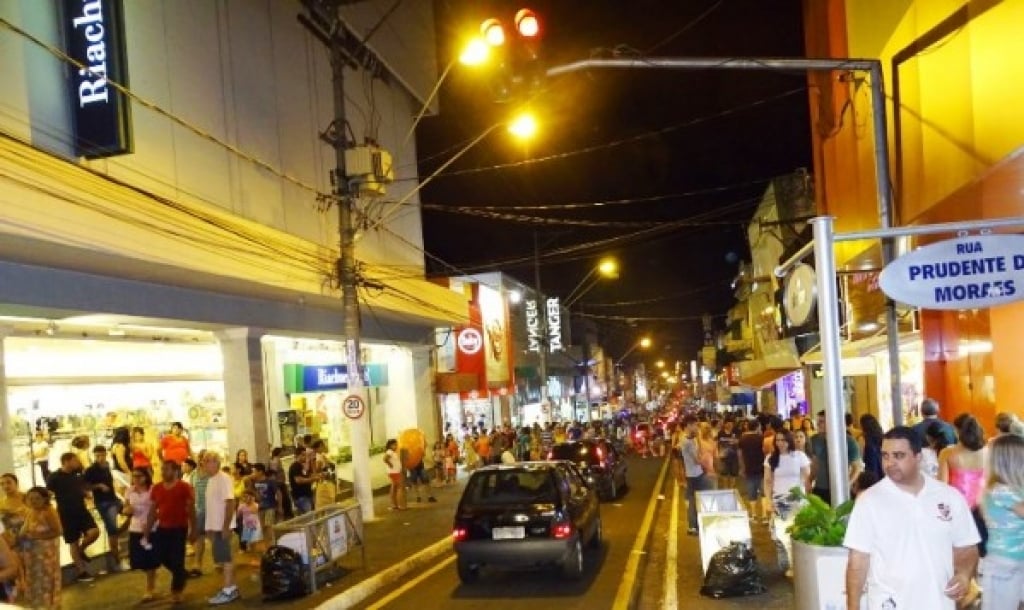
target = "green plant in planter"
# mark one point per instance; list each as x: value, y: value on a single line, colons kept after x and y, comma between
x: 818, y: 523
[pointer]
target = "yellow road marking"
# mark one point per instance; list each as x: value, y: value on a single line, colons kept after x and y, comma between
x: 624, y: 595
x: 400, y: 591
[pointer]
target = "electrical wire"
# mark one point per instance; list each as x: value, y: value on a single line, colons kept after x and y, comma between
x: 150, y: 105
x: 607, y: 203
x: 630, y: 139
x: 685, y: 28
x: 668, y: 297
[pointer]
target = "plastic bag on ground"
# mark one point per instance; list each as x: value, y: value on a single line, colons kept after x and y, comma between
x: 733, y: 572
x: 281, y: 574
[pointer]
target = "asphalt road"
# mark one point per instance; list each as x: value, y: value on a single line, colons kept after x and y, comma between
x: 439, y: 587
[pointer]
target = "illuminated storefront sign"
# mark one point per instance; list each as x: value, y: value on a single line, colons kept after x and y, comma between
x: 299, y: 378
x: 554, y: 325
x: 534, y: 332
x: 94, y: 36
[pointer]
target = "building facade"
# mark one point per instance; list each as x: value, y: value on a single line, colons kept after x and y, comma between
x: 951, y: 80
x: 187, y: 272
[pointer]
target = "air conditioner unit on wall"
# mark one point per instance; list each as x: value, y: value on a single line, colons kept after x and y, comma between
x: 369, y: 170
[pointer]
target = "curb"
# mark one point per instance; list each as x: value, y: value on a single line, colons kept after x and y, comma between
x: 364, y: 589
x: 629, y: 586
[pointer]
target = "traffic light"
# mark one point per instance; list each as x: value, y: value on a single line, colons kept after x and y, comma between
x: 516, y: 43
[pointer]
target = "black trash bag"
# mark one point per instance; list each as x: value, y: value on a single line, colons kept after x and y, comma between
x: 732, y: 572
x: 281, y: 574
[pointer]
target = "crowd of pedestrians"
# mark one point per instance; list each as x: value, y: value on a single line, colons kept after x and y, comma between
x: 172, y: 502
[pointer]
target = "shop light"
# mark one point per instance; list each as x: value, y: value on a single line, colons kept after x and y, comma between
x: 515, y: 296
x: 980, y: 346
x: 869, y: 327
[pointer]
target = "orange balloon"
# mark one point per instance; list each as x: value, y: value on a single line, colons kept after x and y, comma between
x: 414, y: 445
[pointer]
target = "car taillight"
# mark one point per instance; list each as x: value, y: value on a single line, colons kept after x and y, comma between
x: 460, y: 533
x: 561, y: 531
x: 600, y: 454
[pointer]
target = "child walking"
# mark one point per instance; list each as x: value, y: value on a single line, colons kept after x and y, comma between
x: 252, y: 529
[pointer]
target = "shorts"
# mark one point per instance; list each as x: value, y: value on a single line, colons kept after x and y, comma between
x: 268, y: 517
x: 252, y: 534
x: 109, y: 512
x: 729, y: 466
x: 396, y: 477
x: 220, y: 545
x: 754, y: 486
x: 76, y: 524
x: 140, y: 558
x: 418, y: 474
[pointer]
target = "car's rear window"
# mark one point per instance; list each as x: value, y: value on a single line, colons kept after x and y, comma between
x: 565, y: 452
x: 510, y: 487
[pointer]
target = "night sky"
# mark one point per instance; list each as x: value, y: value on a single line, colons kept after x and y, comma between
x: 674, y: 145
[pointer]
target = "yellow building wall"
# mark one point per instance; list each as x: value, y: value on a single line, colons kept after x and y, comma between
x: 956, y: 156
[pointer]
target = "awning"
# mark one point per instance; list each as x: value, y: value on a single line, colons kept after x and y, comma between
x: 456, y: 383
x: 862, y: 348
x: 756, y: 373
x: 66, y: 216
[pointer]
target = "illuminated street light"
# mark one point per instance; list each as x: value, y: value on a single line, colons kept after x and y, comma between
x: 515, y: 296
x: 645, y: 342
x: 523, y: 126
x: 608, y: 267
x: 475, y: 53
x: 664, y: 374
x: 660, y: 364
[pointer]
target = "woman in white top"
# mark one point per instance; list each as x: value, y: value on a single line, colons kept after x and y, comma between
x: 784, y: 469
x: 141, y: 555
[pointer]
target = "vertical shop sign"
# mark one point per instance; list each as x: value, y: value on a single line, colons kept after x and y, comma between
x: 554, y: 325
x: 496, y: 356
x: 533, y: 326
x: 94, y: 37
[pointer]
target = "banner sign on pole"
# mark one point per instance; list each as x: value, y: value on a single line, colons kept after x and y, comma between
x: 971, y: 272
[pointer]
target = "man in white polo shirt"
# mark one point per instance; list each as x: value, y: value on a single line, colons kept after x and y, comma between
x: 911, y: 537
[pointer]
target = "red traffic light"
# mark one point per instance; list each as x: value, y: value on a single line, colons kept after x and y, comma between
x: 527, y: 23
x: 493, y: 32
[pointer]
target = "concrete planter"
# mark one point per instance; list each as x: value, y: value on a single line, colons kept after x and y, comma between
x: 819, y: 577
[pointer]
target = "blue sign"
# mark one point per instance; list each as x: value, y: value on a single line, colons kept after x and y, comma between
x: 335, y: 377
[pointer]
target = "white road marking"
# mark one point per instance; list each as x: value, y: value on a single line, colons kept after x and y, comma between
x: 671, y: 588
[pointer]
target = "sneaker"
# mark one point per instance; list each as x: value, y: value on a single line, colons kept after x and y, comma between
x: 224, y: 596
x: 85, y: 577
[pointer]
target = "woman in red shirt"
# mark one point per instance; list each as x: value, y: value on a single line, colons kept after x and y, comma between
x: 174, y: 447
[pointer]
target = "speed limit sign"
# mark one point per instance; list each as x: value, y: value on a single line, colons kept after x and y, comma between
x: 353, y: 407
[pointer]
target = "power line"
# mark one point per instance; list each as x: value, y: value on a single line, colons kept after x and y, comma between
x: 668, y: 297
x: 685, y: 28
x: 630, y: 139
x: 607, y: 203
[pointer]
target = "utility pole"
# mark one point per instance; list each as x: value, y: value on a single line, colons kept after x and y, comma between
x: 324, y: 23
x: 542, y: 360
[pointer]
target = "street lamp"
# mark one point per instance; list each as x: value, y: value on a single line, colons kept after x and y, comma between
x: 644, y: 342
x: 607, y: 267
x: 660, y: 364
x: 523, y: 126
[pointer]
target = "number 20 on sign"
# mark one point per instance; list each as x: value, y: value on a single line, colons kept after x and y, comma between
x: 353, y: 407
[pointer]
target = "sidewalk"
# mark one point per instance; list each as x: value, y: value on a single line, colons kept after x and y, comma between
x: 390, y: 539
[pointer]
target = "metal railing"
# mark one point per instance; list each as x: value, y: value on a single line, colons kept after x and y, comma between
x: 323, y: 537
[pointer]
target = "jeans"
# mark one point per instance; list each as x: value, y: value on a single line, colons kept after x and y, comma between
x: 693, y: 485
x: 170, y: 548
x: 303, y: 505
x: 1002, y: 583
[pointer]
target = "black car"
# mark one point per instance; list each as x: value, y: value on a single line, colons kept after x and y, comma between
x: 524, y: 515
x: 599, y: 462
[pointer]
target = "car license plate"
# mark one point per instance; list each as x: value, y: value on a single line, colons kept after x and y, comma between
x: 508, y: 533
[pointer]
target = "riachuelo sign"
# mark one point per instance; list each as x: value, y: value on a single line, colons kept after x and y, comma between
x: 972, y: 272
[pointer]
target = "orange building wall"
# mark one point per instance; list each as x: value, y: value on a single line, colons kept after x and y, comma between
x: 958, y: 155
